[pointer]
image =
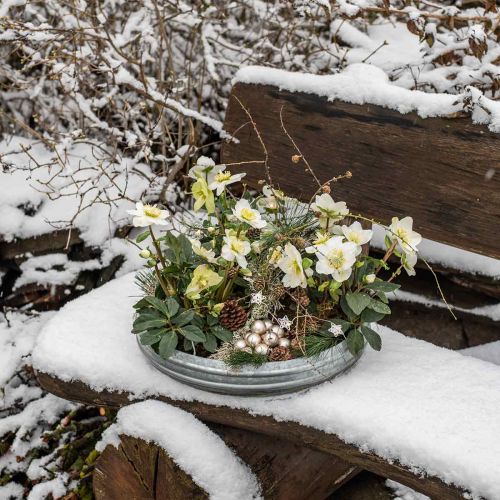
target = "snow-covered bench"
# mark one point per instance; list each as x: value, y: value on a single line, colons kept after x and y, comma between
x: 421, y: 415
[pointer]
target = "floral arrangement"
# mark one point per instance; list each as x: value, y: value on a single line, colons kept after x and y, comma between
x: 264, y: 277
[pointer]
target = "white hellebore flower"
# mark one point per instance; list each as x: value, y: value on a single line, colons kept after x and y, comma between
x: 402, y: 232
x: 222, y: 179
x: 245, y: 213
x: 357, y: 234
x: 147, y: 215
x: 328, y: 210
x: 198, y: 249
x: 409, y: 260
x: 291, y: 264
x: 336, y: 257
x: 235, y: 248
x: 206, y: 169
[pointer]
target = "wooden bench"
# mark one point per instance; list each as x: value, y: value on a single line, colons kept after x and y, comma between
x: 433, y: 169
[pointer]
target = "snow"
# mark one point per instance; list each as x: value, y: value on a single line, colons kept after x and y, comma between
x: 446, y: 255
x: 487, y: 352
x: 55, y: 487
x: 402, y: 492
x: 431, y: 409
x: 34, y: 201
x: 192, y: 446
x: 361, y: 83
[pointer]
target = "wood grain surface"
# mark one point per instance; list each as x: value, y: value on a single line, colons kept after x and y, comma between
x: 443, y: 172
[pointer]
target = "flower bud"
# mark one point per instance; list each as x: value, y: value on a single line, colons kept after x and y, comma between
x: 151, y: 263
x: 145, y: 253
x: 369, y: 278
x: 296, y: 158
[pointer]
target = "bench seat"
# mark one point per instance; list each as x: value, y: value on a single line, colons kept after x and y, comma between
x: 409, y: 412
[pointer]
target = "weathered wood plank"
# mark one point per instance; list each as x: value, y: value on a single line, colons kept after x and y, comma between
x: 437, y: 170
x: 137, y: 470
x: 305, y: 436
x: 285, y: 469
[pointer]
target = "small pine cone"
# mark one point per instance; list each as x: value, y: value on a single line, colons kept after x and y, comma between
x: 297, y: 344
x: 233, y: 272
x: 259, y: 283
x: 300, y: 296
x: 233, y: 316
x: 324, y: 309
x: 312, y: 325
x: 280, y: 354
x: 253, y: 233
x: 277, y: 292
x: 300, y: 242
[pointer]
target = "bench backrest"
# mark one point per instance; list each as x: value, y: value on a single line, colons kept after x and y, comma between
x: 443, y: 172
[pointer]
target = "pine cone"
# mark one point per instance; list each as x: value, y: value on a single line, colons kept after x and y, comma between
x: 324, y: 309
x: 253, y: 233
x: 297, y: 344
x: 312, y: 325
x: 233, y: 272
x: 300, y: 242
x: 259, y: 283
x: 300, y: 296
x: 280, y: 354
x: 277, y: 292
x: 233, y: 316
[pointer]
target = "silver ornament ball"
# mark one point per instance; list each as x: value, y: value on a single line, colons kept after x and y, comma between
x: 258, y: 327
x: 278, y: 331
x: 268, y: 323
x: 271, y: 339
x: 241, y: 345
x: 284, y: 343
x: 261, y: 349
x: 253, y: 339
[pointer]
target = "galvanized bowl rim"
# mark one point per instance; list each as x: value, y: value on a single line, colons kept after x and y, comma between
x: 219, y: 367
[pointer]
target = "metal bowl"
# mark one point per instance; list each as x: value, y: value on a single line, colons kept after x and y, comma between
x: 277, y: 377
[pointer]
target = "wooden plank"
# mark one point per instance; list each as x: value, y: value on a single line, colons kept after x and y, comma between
x: 39, y: 245
x: 137, y: 470
x: 437, y: 170
x: 305, y: 436
x: 287, y: 470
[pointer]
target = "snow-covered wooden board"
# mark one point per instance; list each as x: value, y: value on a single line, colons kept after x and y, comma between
x: 439, y: 170
x: 424, y: 416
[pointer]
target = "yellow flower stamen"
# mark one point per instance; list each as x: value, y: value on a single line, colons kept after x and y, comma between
x: 223, y: 176
x: 248, y: 214
x: 152, y: 211
x: 336, y: 259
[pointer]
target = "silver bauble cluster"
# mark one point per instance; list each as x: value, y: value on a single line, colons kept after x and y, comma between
x: 263, y: 336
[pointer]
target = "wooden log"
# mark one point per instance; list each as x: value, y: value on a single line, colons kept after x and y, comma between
x: 39, y: 245
x: 305, y: 436
x: 436, y: 170
x: 138, y: 470
x: 285, y: 470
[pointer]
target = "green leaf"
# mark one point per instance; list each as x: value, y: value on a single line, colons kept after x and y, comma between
x: 371, y: 316
x: 382, y: 297
x: 383, y: 286
x: 143, y: 236
x: 167, y: 346
x: 351, y: 316
x: 150, y: 337
x: 355, y: 341
x: 211, y: 343
x: 140, y: 326
x: 357, y: 302
x: 158, y: 304
x: 212, y: 320
x: 372, y: 337
x: 380, y: 307
x: 222, y: 333
x: 193, y: 333
x: 184, y: 318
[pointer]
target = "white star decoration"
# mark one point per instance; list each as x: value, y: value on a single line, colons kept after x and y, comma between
x: 284, y: 323
x: 257, y: 298
x: 335, y: 330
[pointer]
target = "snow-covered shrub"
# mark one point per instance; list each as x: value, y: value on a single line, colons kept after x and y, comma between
x: 147, y: 81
